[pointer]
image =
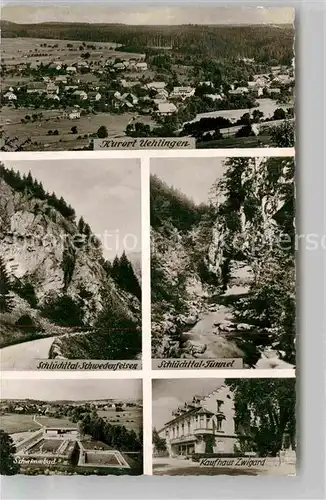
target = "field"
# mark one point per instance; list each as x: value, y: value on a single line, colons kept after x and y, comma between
x: 131, y: 418
x: 21, y: 50
x: 55, y: 422
x: 54, y: 120
x: 13, y: 422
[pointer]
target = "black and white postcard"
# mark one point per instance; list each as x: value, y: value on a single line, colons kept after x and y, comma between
x: 70, y: 266
x: 95, y: 75
x: 217, y: 427
x: 71, y: 427
x: 222, y: 262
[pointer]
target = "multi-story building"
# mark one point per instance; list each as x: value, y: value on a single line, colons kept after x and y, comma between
x: 203, y: 425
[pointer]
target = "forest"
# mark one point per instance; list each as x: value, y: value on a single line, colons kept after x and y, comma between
x: 266, y: 44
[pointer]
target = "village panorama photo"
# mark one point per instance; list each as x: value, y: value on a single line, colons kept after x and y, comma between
x: 221, y: 75
x: 71, y: 427
x: 70, y: 263
x: 223, y: 262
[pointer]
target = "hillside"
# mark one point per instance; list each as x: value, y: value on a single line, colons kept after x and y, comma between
x: 55, y: 281
x: 222, y: 283
x: 262, y: 42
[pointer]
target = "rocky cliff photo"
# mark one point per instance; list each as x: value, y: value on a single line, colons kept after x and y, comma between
x: 65, y: 291
x: 222, y: 260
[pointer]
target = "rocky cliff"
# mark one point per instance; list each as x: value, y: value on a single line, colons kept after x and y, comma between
x: 49, y: 259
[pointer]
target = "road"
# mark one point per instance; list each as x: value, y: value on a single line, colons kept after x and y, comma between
x: 23, y: 356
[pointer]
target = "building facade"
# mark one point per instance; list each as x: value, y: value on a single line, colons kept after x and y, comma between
x: 202, y: 425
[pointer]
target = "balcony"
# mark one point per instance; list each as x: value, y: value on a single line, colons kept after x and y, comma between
x: 183, y: 439
x: 199, y: 431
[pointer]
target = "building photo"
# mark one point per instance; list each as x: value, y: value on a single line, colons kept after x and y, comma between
x: 71, y: 427
x: 232, y: 426
x: 70, y: 261
x: 221, y: 75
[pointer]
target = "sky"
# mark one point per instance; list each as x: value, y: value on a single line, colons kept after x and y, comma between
x: 105, y: 192
x: 35, y: 11
x: 169, y: 394
x: 193, y: 176
x: 73, y: 390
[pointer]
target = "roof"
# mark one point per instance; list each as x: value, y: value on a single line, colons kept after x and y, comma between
x: 183, y: 89
x: 156, y: 85
x: 203, y: 411
x: 167, y: 107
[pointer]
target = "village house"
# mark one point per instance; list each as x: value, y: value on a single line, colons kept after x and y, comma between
x: 206, y: 84
x: 155, y: 86
x: 10, y: 96
x: 82, y: 64
x: 166, y: 108
x: 120, y: 65
x: 36, y: 87
x: 141, y: 66
x: 215, y: 97
x: 127, y: 96
x: 162, y: 94
x: 80, y: 94
x: 282, y: 79
x: 74, y: 115
x: 61, y: 79
x: 94, y: 96
x: 51, y: 87
x: 182, y: 92
x: 202, y: 425
x: 128, y: 84
x: 71, y: 87
x: 55, y: 65
x: 273, y: 91
x: 239, y: 91
x: 53, y: 97
x: 71, y: 69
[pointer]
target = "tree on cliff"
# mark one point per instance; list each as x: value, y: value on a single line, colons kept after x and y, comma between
x: 8, y: 466
x: 265, y: 413
x: 123, y: 274
x: 5, y: 299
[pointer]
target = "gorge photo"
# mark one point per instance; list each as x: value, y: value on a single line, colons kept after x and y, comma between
x: 223, y: 76
x: 222, y: 260
x: 217, y: 427
x: 71, y: 427
x: 70, y: 265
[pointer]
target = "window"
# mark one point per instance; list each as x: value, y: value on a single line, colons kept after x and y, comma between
x: 219, y: 405
x: 218, y: 425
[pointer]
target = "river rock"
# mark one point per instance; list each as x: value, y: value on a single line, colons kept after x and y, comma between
x: 244, y: 327
x: 193, y: 347
x: 226, y: 326
x: 188, y: 320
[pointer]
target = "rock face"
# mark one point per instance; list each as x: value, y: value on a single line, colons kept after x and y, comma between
x: 42, y: 248
x: 255, y: 219
x: 178, y: 294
